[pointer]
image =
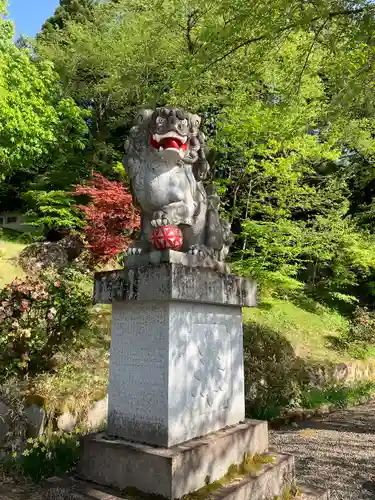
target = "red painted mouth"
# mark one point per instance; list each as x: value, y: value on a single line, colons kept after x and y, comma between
x: 169, y: 143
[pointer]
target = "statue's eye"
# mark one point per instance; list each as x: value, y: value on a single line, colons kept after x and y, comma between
x: 160, y: 120
x: 184, y: 122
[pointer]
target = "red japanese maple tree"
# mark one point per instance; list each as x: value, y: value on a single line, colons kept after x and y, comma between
x: 111, y: 217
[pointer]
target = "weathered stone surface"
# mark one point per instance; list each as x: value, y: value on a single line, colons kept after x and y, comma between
x: 169, y: 281
x: 36, y: 418
x: 173, y: 257
x: 331, y: 373
x: 312, y: 492
x: 73, y: 246
x: 171, y: 472
x: 97, y: 415
x: 42, y: 255
x: 4, y: 426
x: 87, y: 490
x: 66, y: 422
x: 38, y: 256
x: 176, y: 371
x: 267, y: 483
x: 62, y: 494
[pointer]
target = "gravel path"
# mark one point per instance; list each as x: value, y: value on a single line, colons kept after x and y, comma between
x: 11, y: 491
x: 335, y: 452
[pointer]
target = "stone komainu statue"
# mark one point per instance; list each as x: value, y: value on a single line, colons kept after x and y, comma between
x: 166, y: 164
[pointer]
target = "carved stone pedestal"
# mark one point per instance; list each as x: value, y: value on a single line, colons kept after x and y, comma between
x: 176, y: 416
x: 176, y: 364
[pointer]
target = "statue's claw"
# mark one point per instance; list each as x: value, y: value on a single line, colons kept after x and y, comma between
x: 159, y: 220
x: 199, y: 251
x: 133, y: 251
x: 157, y: 223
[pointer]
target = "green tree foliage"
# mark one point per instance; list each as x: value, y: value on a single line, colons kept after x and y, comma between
x: 68, y: 10
x: 52, y: 210
x: 287, y: 92
x: 38, y: 122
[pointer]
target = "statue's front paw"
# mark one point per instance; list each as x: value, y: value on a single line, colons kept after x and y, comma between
x: 159, y: 219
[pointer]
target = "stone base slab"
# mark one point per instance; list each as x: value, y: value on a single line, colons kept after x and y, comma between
x: 170, y: 472
x: 264, y: 483
x: 170, y: 281
x: 69, y: 488
x: 312, y: 492
x: 171, y: 256
x: 268, y: 483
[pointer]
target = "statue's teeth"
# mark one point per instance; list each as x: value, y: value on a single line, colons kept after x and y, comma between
x: 161, y: 148
x: 173, y: 135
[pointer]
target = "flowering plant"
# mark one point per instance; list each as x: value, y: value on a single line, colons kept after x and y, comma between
x: 37, y: 315
x: 51, y: 455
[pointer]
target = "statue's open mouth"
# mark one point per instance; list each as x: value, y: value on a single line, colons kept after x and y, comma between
x: 169, y: 141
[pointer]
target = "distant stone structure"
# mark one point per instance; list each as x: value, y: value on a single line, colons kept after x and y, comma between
x: 44, y: 254
x: 15, y: 221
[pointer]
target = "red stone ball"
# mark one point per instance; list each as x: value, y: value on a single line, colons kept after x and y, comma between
x: 167, y: 238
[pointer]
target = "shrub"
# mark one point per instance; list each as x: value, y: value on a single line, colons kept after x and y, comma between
x: 338, y: 395
x: 273, y: 374
x: 37, y: 316
x: 362, y: 327
x: 110, y: 217
x: 53, y: 455
x: 359, y: 340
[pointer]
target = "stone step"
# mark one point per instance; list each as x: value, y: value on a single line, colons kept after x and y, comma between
x: 268, y: 481
x: 176, y: 471
x: 312, y: 492
x: 70, y: 488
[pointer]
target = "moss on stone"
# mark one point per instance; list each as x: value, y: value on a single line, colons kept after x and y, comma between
x: 290, y: 493
x: 250, y: 466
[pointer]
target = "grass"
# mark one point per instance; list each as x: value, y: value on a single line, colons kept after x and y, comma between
x: 307, y: 327
x: 339, y: 396
x: 9, y: 268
